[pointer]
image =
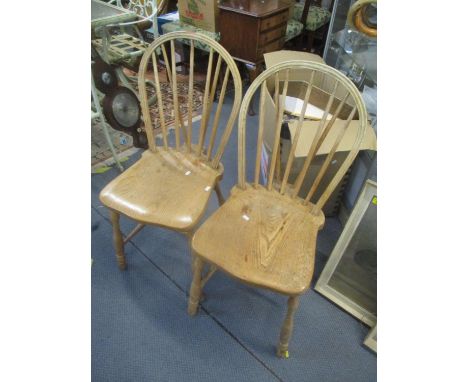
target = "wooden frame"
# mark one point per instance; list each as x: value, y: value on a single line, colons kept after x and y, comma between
x: 368, y: 195
x: 371, y: 339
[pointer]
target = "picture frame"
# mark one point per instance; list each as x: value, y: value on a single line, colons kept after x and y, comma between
x: 349, y: 278
x: 371, y: 339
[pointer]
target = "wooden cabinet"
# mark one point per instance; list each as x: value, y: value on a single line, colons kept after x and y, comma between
x: 250, y: 28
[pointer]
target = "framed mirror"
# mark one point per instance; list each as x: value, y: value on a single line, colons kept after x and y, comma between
x: 349, y: 278
x: 371, y: 339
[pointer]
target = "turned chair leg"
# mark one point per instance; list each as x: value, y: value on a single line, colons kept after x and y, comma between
x: 118, y: 240
x: 195, y: 288
x: 189, y: 236
x: 286, y: 330
x: 219, y: 194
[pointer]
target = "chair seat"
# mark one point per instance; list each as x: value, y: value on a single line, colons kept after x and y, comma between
x: 293, y: 29
x: 316, y: 16
x: 167, y: 188
x: 179, y: 26
x: 262, y: 238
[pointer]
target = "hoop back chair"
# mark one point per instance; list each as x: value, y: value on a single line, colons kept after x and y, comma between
x: 265, y: 233
x: 171, y: 184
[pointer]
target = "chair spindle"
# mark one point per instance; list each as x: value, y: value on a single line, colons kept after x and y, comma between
x: 218, y: 114
x: 297, y: 135
x: 279, y: 119
x: 314, y: 146
x: 329, y: 157
x: 159, y: 99
x: 261, y: 128
x: 205, y: 117
x: 190, y: 97
x: 175, y: 97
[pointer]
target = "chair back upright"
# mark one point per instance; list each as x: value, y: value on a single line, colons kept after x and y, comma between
x: 210, y: 139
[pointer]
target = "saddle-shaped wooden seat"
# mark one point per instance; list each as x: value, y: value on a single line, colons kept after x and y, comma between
x: 165, y: 188
x: 263, y: 239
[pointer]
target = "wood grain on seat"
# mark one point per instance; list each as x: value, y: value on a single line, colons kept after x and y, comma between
x: 167, y: 188
x: 262, y: 238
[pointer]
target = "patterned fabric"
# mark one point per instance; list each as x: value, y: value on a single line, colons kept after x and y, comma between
x: 293, y: 29
x: 178, y: 26
x: 316, y: 18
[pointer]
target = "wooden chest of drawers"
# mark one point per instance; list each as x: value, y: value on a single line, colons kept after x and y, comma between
x: 250, y: 28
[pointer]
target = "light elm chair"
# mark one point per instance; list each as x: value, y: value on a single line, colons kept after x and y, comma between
x: 171, y: 184
x: 265, y: 234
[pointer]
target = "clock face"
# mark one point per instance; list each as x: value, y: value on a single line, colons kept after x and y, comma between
x: 125, y: 109
x: 122, y: 109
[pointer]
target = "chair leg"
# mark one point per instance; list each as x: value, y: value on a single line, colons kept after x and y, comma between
x: 196, y: 287
x: 118, y: 240
x: 202, y: 295
x: 219, y: 194
x: 286, y: 329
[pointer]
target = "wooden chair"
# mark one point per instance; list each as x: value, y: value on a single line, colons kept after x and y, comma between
x: 171, y: 184
x: 265, y: 234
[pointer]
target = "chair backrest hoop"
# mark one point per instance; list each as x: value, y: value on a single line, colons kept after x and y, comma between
x: 231, y: 69
x: 312, y: 66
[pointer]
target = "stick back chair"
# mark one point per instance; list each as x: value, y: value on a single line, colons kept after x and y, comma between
x: 171, y: 184
x: 265, y: 233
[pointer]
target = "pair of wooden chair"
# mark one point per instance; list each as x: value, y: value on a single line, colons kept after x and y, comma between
x: 263, y: 234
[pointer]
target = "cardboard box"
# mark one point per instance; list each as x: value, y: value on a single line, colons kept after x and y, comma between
x: 202, y: 14
x: 319, y: 96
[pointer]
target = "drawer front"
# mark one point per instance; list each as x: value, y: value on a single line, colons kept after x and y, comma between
x: 273, y: 21
x: 274, y: 34
x: 274, y: 46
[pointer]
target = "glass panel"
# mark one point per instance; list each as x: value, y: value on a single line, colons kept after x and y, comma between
x: 356, y: 273
x: 350, y: 51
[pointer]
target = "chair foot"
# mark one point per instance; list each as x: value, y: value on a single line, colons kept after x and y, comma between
x: 118, y: 241
x: 286, y: 329
x: 195, y: 288
x: 282, y: 353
